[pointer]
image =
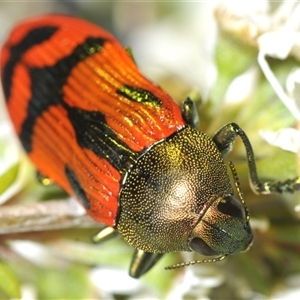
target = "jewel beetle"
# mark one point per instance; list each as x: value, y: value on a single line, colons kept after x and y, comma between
x: 134, y: 159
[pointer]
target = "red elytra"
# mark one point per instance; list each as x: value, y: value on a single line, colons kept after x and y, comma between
x: 92, y: 76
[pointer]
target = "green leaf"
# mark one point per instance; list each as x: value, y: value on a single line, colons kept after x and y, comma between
x: 9, y: 283
x: 8, y: 178
x: 160, y: 280
x: 68, y: 283
x: 288, y: 234
x: 250, y: 266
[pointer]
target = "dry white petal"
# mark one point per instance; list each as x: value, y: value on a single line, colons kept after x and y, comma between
x: 286, y: 139
x: 247, y: 19
x: 106, y: 278
x: 242, y: 87
x: 278, y: 43
x: 196, y: 281
x: 28, y: 291
x: 290, y: 288
x: 32, y: 251
x: 261, y: 224
x: 293, y: 86
x: 281, y: 93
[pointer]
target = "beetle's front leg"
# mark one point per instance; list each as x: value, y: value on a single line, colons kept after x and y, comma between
x: 224, y: 140
x: 142, y: 262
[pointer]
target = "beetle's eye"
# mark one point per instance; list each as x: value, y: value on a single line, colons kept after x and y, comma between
x: 232, y: 207
x: 199, y: 246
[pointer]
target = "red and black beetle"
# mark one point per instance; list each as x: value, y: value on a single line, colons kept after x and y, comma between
x: 118, y: 143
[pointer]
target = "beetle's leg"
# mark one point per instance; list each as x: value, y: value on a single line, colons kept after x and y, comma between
x: 42, y: 179
x: 104, y: 234
x: 143, y: 262
x: 189, y: 112
x: 224, y: 140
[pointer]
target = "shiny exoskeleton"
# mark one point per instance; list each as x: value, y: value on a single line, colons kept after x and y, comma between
x: 91, y: 122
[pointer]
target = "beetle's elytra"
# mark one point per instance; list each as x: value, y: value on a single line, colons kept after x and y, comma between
x: 90, y: 121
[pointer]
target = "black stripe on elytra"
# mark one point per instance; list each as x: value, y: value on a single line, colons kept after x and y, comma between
x: 75, y: 184
x: 93, y: 133
x: 139, y: 95
x: 47, y: 84
x: 34, y: 37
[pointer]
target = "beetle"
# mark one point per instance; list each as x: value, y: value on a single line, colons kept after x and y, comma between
x: 134, y: 159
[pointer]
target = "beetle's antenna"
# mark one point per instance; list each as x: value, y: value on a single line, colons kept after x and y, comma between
x: 194, y: 262
x: 238, y: 188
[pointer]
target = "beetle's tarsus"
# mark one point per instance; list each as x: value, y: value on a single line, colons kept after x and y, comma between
x: 287, y: 186
x: 224, y: 140
x: 142, y: 262
x: 44, y: 180
x: 104, y: 235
